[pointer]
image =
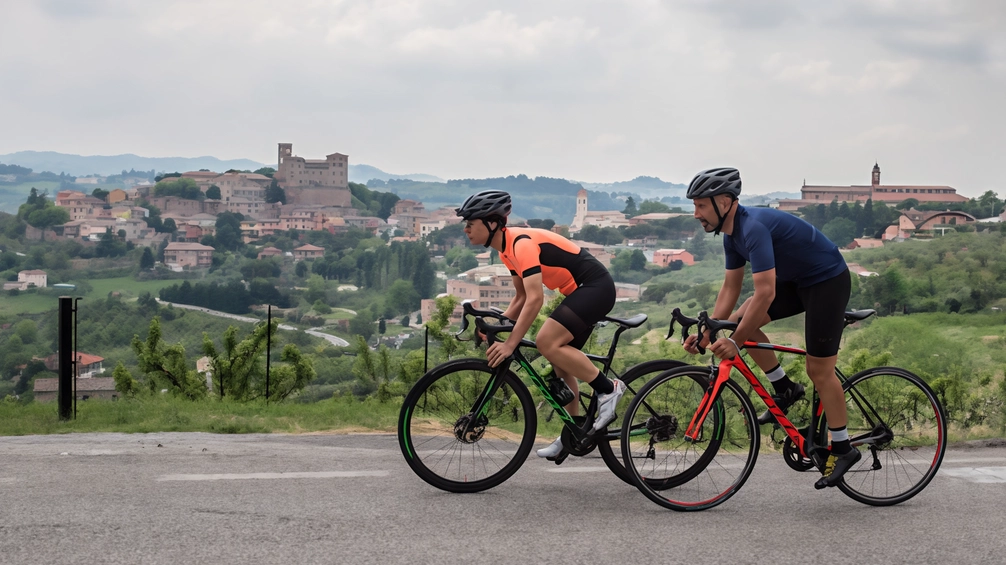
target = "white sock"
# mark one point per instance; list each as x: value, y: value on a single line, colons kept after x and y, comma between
x: 776, y: 374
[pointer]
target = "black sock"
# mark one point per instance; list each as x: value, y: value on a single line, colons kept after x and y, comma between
x: 782, y: 385
x: 602, y: 385
x: 842, y: 446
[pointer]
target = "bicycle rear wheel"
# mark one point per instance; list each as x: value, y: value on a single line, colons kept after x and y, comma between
x: 634, y: 378
x: 689, y: 475
x: 454, y: 450
x: 901, y: 423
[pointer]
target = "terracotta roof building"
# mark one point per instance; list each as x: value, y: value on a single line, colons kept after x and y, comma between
x: 887, y: 193
x: 188, y: 255
x: 308, y: 251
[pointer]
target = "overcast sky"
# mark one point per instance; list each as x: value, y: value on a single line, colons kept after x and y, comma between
x: 595, y: 91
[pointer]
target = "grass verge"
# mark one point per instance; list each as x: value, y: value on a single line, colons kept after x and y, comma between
x: 169, y: 414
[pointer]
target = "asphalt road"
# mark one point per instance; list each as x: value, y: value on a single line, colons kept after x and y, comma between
x: 201, y: 498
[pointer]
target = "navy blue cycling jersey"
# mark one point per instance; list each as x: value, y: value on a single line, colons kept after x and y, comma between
x: 769, y: 239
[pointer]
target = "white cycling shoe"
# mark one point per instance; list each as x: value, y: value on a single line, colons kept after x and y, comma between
x: 552, y: 450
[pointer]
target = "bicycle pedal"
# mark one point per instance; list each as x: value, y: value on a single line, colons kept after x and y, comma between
x: 558, y: 459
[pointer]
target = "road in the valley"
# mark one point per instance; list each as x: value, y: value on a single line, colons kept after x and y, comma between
x: 334, y: 340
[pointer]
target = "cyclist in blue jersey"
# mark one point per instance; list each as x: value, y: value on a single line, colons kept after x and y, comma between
x: 795, y: 269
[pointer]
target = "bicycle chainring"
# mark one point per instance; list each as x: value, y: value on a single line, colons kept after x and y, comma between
x: 575, y: 447
x: 796, y: 461
x: 475, y: 431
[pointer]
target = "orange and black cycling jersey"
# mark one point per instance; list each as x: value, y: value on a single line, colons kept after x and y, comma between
x: 562, y: 264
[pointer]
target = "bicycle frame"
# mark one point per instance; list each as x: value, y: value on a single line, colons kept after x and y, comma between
x: 722, y: 374
x: 481, y: 403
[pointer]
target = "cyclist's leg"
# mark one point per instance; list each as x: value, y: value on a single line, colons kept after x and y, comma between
x: 569, y: 326
x: 553, y: 341
x: 825, y: 305
x: 574, y: 406
x: 824, y: 323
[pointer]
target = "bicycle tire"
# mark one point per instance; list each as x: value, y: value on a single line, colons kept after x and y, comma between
x: 435, y: 449
x: 634, y: 378
x: 901, y: 408
x: 694, y: 475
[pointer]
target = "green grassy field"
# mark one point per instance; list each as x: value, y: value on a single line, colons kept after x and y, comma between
x: 14, y: 195
x: 127, y: 286
x: 27, y: 303
x: 163, y: 413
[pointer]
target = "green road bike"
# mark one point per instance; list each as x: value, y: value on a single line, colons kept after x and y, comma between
x: 467, y: 427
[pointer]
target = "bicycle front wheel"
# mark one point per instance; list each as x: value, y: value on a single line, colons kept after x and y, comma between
x: 689, y: 474
x: 455, y: 450
x: 899, y: 421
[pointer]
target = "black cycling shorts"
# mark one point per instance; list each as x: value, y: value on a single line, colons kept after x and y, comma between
x: 586, y: 306
x: 824, y: 303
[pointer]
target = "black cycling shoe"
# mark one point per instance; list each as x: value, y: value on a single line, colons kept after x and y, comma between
x: 836, y: 466
x: 783, y: 401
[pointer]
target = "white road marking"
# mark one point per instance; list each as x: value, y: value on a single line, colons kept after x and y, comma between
x: 973, y: 460
x: 977, y: 474
x: 578, y: 470
x: 247, y: 476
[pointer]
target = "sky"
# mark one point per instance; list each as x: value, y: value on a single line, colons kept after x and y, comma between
x: 787, y: 91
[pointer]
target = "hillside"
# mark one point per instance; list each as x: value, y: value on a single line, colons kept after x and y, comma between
x: 80, y: 165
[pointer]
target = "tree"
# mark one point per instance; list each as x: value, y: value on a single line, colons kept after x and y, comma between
x: 100, y: 193
x: 181, y: 187
x: 841, y: 231
x: 213, y: 192
x: 405, y: 320
x: 228, y: 231
x: 39, y: 212
x: 275, y: 193
x: 27, y: 330
x: 907, y: 204
x: 301, y: 269
x: 630, y: 207
x: 125, y: 384
x: 238, y: 371
x: 147, y: 259
x: 402, y: 296
x: 653, y: 207
x: 382, y: 326
x: 362, y: 324
x: 165, y: 366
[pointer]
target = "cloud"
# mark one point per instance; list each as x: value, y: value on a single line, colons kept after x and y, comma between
x: 609, y: 140
x: 819, y: 76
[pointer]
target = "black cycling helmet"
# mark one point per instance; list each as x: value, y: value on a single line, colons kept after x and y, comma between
x: 488, y: 205
x: 713, y: 182
x: 485, y: 204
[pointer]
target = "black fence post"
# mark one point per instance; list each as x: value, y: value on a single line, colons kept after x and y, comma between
x: 426, y: 352
x: 64, y: 394
x: 268, y: 351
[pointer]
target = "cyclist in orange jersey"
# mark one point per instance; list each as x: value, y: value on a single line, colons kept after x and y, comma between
x: 539, y: 257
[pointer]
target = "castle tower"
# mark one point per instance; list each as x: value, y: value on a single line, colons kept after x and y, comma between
x: 876, y: 174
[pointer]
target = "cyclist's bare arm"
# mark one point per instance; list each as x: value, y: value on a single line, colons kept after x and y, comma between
x: 534, y: 297
x: 514, y: 309
x: 726, y: 299
x: 755, y: 313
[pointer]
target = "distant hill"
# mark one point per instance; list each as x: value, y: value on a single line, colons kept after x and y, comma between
x: 81, y: 165
x: 646, y: 187
x: 364, y: 173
